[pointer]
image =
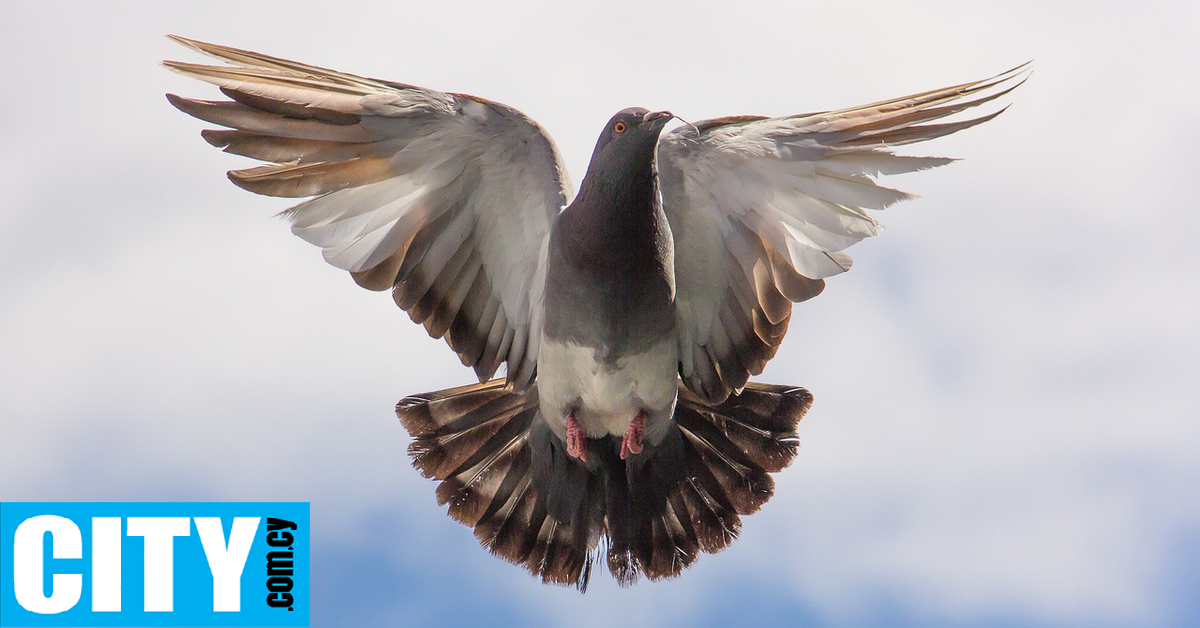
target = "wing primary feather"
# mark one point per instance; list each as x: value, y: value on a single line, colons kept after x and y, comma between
x: 286, y: 149
x: 250, y: 59
x: 290, y: 109
x: 239, y: 116
x: 920, y: 133
x: 302, y: 180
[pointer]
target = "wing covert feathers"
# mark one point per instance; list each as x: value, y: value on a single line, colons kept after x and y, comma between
x: 763, y: 208
x: 504, y: 474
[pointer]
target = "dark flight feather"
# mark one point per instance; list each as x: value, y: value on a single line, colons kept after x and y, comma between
x: 504, y: 473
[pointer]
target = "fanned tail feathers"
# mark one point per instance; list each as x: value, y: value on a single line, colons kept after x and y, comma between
x: 503, y: 473
x: 475, y: 440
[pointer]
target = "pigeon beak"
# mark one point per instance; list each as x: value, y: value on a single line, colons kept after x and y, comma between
x: 655, y: 116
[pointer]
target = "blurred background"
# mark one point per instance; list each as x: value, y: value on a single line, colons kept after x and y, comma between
x: 1005, y: 430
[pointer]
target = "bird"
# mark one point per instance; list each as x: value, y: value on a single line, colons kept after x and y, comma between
x: 628, y: 317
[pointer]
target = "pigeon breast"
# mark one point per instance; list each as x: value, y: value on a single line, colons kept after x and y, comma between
x: 608, y: 347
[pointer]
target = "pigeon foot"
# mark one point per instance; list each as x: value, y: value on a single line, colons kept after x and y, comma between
x: 632, y: 443
x: 576, y: 443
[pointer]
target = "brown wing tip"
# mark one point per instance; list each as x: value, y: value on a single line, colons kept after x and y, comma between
x: 190, y: 70
x: 191, y: 106
x: 178, y: 102
x: 799, y: 401
x: 464, y: 504
x: 215, y: 138
x: 192, y: 44
x: 180, y: 39
x: 427, y: 458
x: 206, y: 48
x: 415, y: 416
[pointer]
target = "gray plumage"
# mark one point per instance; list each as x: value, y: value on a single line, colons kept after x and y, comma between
x: 610, y: 292
x: 630, y: 317
x: 610, y: 276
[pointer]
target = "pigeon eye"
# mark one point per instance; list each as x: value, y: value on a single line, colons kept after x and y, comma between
x: 619, y: 127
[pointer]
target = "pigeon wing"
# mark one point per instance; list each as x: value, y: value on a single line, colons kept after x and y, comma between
x: 444, y: 199
x: 761, y: 210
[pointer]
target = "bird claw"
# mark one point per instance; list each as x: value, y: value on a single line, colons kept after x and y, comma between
x: 632, y: 443
x: 576, y: 442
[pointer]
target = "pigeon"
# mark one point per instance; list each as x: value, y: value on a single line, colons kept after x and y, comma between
x: 629, y: 317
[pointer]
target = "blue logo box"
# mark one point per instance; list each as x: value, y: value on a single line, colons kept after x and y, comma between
x: 154, y: 564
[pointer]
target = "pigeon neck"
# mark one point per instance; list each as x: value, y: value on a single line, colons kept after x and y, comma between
x: 625, y: 197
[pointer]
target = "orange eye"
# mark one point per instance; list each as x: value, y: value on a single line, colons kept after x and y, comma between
x: 619, y: 127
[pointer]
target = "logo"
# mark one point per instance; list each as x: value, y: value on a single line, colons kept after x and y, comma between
x: 154, y: 564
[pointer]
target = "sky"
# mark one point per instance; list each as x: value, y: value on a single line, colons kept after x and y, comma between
x: 1005, y: 432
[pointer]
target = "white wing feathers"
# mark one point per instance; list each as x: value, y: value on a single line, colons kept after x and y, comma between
x: 446, y: 199
x: 762, y: 208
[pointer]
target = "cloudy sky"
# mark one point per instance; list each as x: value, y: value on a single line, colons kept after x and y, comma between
x: 1005, y: 431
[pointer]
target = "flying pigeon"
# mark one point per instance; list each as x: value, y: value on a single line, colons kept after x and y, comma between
x: 629, y: 316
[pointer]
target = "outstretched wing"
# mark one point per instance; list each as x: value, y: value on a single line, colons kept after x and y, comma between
x: 445, y: 199
x: 762, y: 208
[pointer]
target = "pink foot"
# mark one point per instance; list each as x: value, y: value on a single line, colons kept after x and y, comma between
x: 632, y: 443
x: 576, y: 443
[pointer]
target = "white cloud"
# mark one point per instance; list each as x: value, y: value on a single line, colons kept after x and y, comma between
x: 1003, y: 425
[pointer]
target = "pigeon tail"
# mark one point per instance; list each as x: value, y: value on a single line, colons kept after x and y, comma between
x: 687, y: 494
x: 530, y: 502
x: 476, y: 440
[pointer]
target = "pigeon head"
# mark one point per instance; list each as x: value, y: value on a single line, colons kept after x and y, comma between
x: 627, y: 142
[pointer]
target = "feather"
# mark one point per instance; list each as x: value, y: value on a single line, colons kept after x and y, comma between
x: 300, y: 180
x: 921, y: 133
x: 239, y: 116
x: 250, y: 59
x: 382, y: 276
x: 442, y: 282
x: 847, y: 118
x: 289, y: 108
x: 450, y: 304
x: 499, y: 343
x: 793, y: 285
x: 874, y: 162
x: 286, y: 149
x: 773, y: 304
x: 465, y: 334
